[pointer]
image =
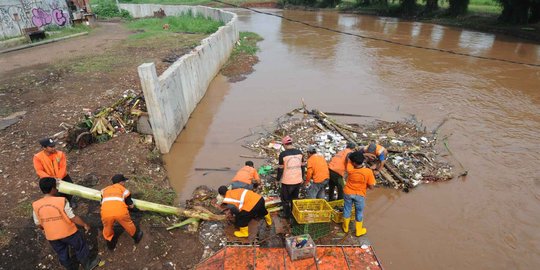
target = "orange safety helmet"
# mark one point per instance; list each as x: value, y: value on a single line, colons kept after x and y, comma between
x: 286, y: 140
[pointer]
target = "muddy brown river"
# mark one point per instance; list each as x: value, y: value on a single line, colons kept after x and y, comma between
x: 488, y: 220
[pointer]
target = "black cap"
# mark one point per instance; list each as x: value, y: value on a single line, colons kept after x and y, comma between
x: 47, y: 142
x: 117, y: 178
x: 222, y: 190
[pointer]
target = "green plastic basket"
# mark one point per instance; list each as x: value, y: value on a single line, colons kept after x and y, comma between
x: 315, y: 230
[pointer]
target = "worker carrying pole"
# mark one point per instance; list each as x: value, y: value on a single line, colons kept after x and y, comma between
x: 115, y: 202
x: 245, y: 206
x: 50, y: 162
x: 55, y: 217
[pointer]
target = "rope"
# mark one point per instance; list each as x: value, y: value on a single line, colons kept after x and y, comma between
x: 381, y: 39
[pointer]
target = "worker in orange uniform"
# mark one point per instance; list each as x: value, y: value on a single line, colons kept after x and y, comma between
x: 246, y: 177
x: 245, y: 205
x: 359, y: 179
x: 317, y: 174
x: 290, y: 172
x: 377, y: 154
x: 55, y: 217
x: 337, y: 167
x: 50, y: 162
x: 115, y: 202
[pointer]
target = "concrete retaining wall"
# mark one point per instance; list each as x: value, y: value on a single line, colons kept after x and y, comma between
x: 172, y: 97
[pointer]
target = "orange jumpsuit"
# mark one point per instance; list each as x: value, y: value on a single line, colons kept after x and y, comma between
x: 115, y: 209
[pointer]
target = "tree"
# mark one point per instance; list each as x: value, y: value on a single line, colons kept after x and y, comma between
x: 458, y: 7
x: 408, y: 7
x: 517, y: 11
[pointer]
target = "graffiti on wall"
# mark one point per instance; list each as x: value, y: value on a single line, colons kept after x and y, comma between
x: 16, y: 15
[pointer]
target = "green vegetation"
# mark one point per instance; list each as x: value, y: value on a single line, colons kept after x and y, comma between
x: 24, y: 209
x: 176, y: 24
x: 108, y: 9
x: 57, y: 32
x: 144, y: 188
x: 4, y: 238
x: 193, y: 2
x: 149, y: 33
x: 247, y: 44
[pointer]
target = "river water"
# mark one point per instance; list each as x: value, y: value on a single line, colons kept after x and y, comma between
x: 488, y: 220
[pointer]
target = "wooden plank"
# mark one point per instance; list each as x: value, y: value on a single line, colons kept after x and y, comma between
x: 305, y: 264
x: 360, y: 258
x: 213, y: 263
x: 270, y: 259
x: 239, y: 258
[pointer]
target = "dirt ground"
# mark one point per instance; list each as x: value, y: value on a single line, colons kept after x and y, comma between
x: 53, y: 84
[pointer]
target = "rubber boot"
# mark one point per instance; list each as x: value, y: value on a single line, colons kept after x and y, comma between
x: 345, y: 224
x: 360, y: 230
x: 137, y: 236
x: 268, y: 219
x: 89, y: 264
x: 242, y: 232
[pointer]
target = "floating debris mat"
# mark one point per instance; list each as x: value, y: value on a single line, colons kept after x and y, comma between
x: 412, y: 158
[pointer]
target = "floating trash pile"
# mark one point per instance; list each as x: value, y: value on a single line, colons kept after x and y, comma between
x: 412, y: 158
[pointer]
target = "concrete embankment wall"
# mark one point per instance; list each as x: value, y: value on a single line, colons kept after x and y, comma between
x: 172, y: 97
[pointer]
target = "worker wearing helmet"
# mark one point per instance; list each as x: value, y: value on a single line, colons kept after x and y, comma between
x: 290, y: 173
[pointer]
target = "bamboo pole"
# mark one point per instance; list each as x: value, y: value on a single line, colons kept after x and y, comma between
x: 95, y: 195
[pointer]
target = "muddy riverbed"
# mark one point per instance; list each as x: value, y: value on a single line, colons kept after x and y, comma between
x: 488, y: 220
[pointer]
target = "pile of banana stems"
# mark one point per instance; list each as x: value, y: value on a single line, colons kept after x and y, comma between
x: 95, y: 195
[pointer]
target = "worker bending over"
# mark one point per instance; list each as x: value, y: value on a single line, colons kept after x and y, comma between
x: 359, y: 179
x: 115, y: 202
x: 290, y: 173
x: 245, y: 205
x: 337, y: 166
x: 317, y: 174
x: 50, y: 162
x: 55, y: 217
x: 246, y: 177
x: 377, y: 154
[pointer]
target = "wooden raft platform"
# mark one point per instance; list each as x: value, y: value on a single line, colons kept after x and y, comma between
x: 327, y: 257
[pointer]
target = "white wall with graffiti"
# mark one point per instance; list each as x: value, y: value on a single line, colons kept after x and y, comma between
x: 16, y: 15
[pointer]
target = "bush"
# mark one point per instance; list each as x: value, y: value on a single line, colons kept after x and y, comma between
x: 109, y: 9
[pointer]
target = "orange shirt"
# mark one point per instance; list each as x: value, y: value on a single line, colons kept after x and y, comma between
x: 358, y: 180
x: 337, y: 163
x: 246, y: 174
x: 52, y: 217
x: 54, y: 165
x: 112, y: 202
x: 243, y: 199
x: 317, y: 168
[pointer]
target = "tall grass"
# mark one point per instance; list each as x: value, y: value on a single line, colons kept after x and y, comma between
x: 182, y: 23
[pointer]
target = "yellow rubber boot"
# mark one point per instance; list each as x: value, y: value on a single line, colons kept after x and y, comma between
x: 360, y: 230
x: 242, y: 232
x: 345, y: 224
x: 268, y: 219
